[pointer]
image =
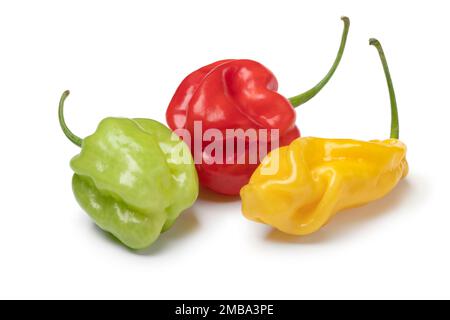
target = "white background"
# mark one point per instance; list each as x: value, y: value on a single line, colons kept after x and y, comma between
x: 126, y: 58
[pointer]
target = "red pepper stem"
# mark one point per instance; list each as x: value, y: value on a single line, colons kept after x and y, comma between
x: 72, y: 137
x: 306, y: 96
x: 395, y: 128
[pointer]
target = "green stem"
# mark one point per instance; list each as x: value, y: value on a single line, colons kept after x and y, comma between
x: 72, y: 137
x: 306, y: 96
x: 395, y: 128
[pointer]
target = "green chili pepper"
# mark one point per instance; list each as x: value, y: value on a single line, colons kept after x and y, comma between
x: 133, y: 177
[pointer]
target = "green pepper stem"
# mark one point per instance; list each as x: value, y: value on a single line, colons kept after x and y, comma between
x: 395, y: 128
x: 72, y: 137
x: 306, y: 96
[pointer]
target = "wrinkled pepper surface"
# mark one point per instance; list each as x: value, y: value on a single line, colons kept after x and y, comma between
x: 133, y: 177
x: 237, y: 94
x: 316, y: 178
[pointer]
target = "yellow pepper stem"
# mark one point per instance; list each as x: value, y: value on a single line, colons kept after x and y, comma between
x: 395, y: 128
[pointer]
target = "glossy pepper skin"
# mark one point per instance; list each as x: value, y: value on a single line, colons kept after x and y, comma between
x: 237, y: 94
x: 319, y: 177
x: 316, y: 178
x: 133, y: 177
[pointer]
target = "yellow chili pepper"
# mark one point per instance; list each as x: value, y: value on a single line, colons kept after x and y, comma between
x: 298, y: 188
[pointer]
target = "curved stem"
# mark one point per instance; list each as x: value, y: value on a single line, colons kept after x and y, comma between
x: 395, y: 128
x: 306, y: 96
x: 72, y: 137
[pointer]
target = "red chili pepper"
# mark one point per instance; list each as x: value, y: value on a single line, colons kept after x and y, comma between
x: 237, y: 94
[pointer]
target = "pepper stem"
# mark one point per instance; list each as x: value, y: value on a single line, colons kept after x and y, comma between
x: 306, y: 96
x: 395, y: 128
x: 72, y: 137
